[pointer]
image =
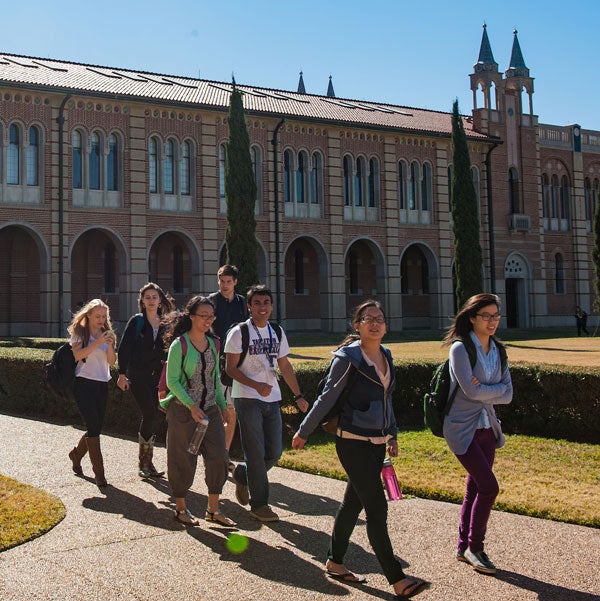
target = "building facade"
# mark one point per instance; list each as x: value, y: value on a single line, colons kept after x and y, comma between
x: 110, y: 178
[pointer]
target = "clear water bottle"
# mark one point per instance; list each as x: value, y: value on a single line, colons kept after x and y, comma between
x: 198, y: 436
x: 392, y: 488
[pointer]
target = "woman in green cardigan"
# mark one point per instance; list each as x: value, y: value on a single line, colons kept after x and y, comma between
x: 194, y: 393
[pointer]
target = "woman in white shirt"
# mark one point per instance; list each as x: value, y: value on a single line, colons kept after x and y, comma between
x: 93, y: 342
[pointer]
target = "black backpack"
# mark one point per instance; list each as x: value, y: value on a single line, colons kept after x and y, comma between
x: 226, y: 379
x: 59, y: 374
x: 438, y: 401
x: 330, y: 422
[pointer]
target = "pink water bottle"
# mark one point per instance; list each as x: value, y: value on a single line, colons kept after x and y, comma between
x: 392, y: 488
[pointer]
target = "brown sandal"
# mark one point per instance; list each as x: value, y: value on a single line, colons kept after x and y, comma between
x: 219, y: 518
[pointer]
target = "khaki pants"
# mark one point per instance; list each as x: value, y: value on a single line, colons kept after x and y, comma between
x: 181, y: 465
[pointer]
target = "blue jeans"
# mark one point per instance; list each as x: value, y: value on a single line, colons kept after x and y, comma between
x: 260, y: 434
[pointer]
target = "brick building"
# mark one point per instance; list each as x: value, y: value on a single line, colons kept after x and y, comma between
x: 110, y: 177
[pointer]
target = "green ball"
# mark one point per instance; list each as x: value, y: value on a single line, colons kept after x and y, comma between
x: 237, y: 543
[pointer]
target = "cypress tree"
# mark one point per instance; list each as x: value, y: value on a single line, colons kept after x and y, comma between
x: 465, y: 220
x: 596, y: 254
x: 240, y: 196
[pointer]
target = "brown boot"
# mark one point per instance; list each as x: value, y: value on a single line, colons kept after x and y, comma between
x: 146, y: 467
x: 77, y: 454
x: 93, y: 443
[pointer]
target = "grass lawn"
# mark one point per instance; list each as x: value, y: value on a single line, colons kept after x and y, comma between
x: 25, y: 512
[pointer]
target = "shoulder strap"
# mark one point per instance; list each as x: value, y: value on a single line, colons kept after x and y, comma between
x: 184, y: 348
x: 503, y: 356
x: 139, y: 324
x: 245, y: 341
x: 277, y: 329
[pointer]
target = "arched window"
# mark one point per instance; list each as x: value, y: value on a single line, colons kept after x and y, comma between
x: 353, y: 273
x: 299, y: 272
x: 256, y: 156
x: 77, y: 160
x: 301, y: 177
x: 169, y: 168
x: 554, y: 197
x: 316, y: 179
x: 288, y: 170
x: 559, y: 274
x: 565, y: 209
x: 12, y: 158
x: 426, y: 187
x: 588, y: 199
x: 402, y: 184
x: 153, y: 165
x: 109, y: 268
x: 413, y: 188
x: 449, y: 171
x: 112, y: 164
x: 33, y: 157
x: 347, y: 181
x: 359, y: 183
x: 373, y: 187
x: 177, y: 269
x: 222, y: 161
x: 513, y: 191
x: 185, y: 169
x: 477, y: 187
x: 94, y: 162
x: 546, y: 196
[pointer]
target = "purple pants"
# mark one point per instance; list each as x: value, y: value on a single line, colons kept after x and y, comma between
x: 482, y: 490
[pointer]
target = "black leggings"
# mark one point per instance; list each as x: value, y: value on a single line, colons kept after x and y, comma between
x: 362, y: 461
x: 144, y: 388
x: 91, y: 397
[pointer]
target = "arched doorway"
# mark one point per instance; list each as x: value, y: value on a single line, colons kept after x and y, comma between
x: 96, y: 270
x: 418, y: 278
x: 262, y: 266
x: 306, y: 286
x: 516, y: 283
x: 170, y: 266
x: 365, y: 274
x: 20, y: 270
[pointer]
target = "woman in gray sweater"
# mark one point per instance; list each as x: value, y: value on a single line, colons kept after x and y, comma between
x: 471, y: 429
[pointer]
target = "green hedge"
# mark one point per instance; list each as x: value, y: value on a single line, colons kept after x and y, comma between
x: 550, y: 401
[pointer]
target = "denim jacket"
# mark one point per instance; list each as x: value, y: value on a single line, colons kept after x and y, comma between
x: 365, y: 412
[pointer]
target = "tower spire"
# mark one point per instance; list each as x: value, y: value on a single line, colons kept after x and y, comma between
x: 301, y: 88
x: 517, y: 65
x: 330, y: 92
x: 486, y: 61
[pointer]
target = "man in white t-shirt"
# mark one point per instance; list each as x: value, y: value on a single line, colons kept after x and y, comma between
x: 256, y: 397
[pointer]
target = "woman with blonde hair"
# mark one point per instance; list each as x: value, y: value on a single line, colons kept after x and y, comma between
x: 93, y: 343
x: 141, y: 355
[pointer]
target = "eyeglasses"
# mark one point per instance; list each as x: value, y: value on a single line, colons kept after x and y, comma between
x: 489, y: 316
x: 369, y: 320
x: 204, y: 317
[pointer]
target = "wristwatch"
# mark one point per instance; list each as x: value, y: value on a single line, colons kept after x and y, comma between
x: 298, y: 396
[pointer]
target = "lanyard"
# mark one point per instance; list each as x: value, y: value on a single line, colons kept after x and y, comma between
x: 270, y: 354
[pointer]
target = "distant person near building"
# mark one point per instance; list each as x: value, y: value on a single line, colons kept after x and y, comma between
x: 581, y: 321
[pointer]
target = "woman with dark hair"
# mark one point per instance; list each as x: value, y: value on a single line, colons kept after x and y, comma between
x: 141, y: 353
x: 478, y: 367
x: 194, y: 394
x: 367, y: 427
x: 93, y: 344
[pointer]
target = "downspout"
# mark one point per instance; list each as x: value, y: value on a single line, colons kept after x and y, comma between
x: 274, y: 141
x: 488, y: 177
x: 60, y: 120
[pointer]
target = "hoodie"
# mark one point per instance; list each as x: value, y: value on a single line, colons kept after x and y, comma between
x: 366, y: 412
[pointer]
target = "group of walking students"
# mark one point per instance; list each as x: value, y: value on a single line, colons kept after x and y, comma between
x: 256, y: 355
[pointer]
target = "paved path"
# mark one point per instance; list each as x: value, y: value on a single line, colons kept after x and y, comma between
x: 125, y: 545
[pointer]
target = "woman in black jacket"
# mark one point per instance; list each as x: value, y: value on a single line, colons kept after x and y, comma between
x: 141, y: 353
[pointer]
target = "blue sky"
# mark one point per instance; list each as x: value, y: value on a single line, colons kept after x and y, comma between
x: 415, y: 54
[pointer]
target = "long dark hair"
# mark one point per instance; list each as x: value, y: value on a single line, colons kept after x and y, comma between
x: 177, y: 323
x: 461, y: 324
x: 167, y: 303
x: 357, y: 315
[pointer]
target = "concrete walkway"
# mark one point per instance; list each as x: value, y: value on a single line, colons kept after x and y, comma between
x: 125, y: 545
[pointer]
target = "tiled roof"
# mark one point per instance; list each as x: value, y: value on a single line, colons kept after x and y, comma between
x: 79, y: 78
